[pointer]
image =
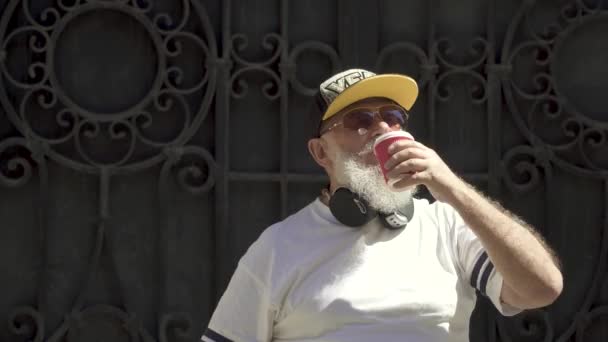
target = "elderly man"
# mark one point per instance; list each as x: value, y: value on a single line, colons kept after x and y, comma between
x: 366, y: 261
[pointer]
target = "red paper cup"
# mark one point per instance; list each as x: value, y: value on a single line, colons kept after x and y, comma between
x: 381, y: 149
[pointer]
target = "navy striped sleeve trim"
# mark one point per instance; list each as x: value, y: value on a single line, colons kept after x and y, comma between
x: 484, y: 278
x: 477, y: 269
x: 212, y: 336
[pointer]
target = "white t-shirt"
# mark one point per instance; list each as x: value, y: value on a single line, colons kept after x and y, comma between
x: 310, y: 278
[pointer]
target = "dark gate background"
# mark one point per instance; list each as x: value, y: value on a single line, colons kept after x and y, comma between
x: 145, y: 144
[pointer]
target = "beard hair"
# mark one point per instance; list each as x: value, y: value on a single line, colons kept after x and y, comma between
x: 367, y: 181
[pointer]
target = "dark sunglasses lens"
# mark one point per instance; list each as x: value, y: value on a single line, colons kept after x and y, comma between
x: 393, y: 116
x: 359, y: 119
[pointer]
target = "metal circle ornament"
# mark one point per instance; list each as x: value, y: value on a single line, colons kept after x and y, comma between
x: 107, y: 84
x: 556, y: 79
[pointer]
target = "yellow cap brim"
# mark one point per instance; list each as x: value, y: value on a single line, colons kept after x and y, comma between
x: 399, y: 88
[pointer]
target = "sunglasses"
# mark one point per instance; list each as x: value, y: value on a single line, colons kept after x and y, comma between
x: 361, y: 119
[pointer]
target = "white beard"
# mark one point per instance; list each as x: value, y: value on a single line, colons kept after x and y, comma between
x: 368, y: 182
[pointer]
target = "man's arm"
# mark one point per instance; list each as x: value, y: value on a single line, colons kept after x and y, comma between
x: 531, y: 276
x: 529, y: 268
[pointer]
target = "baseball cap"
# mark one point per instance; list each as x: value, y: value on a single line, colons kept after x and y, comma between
x: 350, y: 86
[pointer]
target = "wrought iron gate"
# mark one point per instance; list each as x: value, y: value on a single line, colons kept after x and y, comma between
x: 145, y: 144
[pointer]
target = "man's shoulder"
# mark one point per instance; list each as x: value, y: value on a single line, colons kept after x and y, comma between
x: 279, y: 247
x: 292, y: 224
x: 294, y: 221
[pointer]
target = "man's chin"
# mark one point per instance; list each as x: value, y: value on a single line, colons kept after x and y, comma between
x: 362, y: 175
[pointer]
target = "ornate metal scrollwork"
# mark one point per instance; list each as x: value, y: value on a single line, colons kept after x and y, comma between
x: 427, y: 69
x: 271, y: 89
x: 16, y: 162
x: 82, y: 127
x: 548, y: 106
x: 194, y: 168
x: 176, y: 327
x: 554, y: 98
x: 27, y: 323
x: 121, y: 127
x: 104, y: 322
x: 305, y: 47
x: 478, y: 51
x: 523, y: 166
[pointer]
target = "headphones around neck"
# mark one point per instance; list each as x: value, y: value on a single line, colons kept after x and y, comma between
x: 353, y: 211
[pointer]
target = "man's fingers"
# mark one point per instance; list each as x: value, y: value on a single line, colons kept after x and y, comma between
x: 405, y: 182
x: 408, y: 167
x: 403, y: 155
x: 413, y: 179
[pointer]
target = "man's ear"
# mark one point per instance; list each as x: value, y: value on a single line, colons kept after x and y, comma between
x: 318, y: 150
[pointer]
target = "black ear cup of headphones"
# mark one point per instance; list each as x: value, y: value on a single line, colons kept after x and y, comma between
x: 350, y: 209
x: 353, y: 211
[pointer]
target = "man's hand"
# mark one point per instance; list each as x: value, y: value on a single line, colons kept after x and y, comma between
x: 412, y: 164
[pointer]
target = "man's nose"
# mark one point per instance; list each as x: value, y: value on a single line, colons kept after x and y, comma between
x: 379, y: 127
